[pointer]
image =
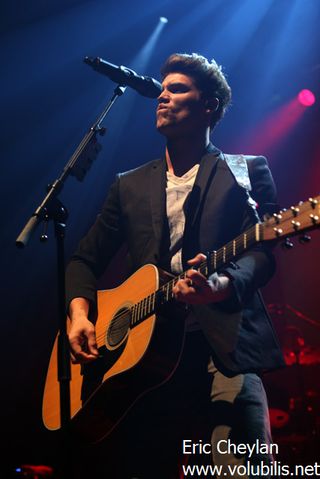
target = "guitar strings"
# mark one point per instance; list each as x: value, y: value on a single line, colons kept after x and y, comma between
x: 222, y: 256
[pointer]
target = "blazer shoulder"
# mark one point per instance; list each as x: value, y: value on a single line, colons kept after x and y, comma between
x: 255, y: 163
x: 142, y: 169
x: 249, y: 158
x: 253, y: 160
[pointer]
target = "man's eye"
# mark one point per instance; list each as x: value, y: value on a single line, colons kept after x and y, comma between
x: 179, y: 89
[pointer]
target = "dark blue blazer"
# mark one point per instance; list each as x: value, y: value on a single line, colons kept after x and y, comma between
x: 239, y: 330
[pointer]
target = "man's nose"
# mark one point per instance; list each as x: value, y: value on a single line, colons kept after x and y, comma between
x: 163, y: 97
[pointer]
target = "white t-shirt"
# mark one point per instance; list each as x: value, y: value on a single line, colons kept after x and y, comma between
x: 177, y: 191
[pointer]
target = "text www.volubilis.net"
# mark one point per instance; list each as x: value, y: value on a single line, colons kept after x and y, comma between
x: 275, y: 469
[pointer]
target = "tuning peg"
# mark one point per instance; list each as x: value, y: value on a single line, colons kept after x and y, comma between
x: 304, y: 239
x: 295, y: 210
x: 296, y: 225
x: 277, y: 217
x: 314, y: 219
x: 313, y: 202
x: 287, y: 243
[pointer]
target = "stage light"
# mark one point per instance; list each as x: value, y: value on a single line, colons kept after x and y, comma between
x: 306, y: 97
x: 163, y: 20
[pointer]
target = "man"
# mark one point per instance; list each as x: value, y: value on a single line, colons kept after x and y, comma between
x: 171, y: 212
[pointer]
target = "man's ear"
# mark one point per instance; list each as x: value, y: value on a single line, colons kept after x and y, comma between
x: 212, y: 105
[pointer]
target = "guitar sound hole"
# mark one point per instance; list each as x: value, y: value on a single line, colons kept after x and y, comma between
x: 119, y: 327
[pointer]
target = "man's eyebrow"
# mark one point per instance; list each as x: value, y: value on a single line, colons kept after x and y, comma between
x: 177, y: 84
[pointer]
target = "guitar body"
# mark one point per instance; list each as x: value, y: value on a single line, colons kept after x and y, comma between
x: 133, y: 360
x: 139, y: 350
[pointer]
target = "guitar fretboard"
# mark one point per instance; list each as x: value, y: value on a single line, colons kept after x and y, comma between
x: 216, y: 260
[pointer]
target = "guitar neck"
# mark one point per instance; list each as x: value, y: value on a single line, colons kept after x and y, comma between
x: 300, y: 218
x: 215, y: 260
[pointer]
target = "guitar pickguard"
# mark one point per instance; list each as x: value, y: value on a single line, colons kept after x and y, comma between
x: 94, y: 372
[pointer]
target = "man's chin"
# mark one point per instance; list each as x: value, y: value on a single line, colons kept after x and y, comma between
x: 161, y: 129
x: 165, y: 128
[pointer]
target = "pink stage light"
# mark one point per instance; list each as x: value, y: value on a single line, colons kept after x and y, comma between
x: 306, y: 98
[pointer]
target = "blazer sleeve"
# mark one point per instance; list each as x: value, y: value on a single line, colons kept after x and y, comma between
x: 253, y: 269
x: 95, y: 251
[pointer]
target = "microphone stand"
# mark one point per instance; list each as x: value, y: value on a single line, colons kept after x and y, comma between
x: 51, y: 208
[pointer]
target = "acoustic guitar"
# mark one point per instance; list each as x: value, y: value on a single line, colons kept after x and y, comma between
x: 140, y: 333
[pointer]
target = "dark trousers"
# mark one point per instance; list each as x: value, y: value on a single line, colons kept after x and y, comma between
x: 198, y: 404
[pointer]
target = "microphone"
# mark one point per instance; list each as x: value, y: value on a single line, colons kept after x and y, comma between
x: 124, y: 76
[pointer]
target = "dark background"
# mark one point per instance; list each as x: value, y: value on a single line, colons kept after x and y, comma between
x: 49, y: 98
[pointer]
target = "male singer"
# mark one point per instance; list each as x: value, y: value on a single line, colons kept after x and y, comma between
x: 170, y: 212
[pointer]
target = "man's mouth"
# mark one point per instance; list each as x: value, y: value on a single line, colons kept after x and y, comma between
x: 162, y: 107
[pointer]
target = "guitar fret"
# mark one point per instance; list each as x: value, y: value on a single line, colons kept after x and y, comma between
x: 257, y: 232
x: 153, y: 301
x: 171, y: 295
x: 203, y: 269
x: 167, y: 289
x: 150, y: 303
x: 146, y: 306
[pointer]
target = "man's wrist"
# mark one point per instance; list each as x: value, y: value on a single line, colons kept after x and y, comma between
x: 79, y: 309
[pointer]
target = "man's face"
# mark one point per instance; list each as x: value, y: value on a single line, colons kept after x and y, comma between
x: 181, y: 110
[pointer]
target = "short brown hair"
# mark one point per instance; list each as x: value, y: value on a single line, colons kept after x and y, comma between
x: 207, y: 75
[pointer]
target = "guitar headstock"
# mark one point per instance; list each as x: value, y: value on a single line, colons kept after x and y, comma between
x: 298, y: 219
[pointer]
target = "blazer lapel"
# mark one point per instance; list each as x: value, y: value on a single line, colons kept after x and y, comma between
x: 158, y: 197
x: 201, y: 184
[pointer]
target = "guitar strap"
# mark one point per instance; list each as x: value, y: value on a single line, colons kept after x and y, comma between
x: 220, y: 327
x: 239, y: 168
